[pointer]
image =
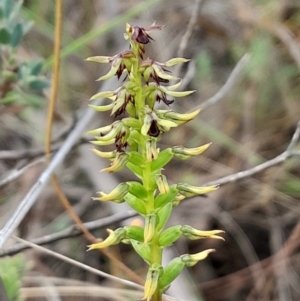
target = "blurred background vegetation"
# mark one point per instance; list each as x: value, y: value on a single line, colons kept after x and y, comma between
x: 251, y: 124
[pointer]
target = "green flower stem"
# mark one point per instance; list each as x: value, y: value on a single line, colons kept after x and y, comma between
x: 156, y: 256
x: 155, y: 249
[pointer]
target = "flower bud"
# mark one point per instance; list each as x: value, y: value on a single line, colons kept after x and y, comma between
x: 171, y: 272
x: 164, y: 157
x: 164, y: 198
x: 162, y: 183
x: 169, y: 236
x: 178, y: 198
x: 151, y: 150
x: 142, y: 249
x: 118, y: 164
x: 150, y: 223
x: 135, y: 203
x: 185, y: 153
x: 163, y: 216
x: 148, y: 119
x: 115, y: 130
x: 135, y: 232
x: 190, y: 191
x: 113, y: 238
x: 180, y: 118
x: 191, y: 259
x: 137, y: 189
x: 151, y: 282
x: 194, y: 234
x: 116, y: 195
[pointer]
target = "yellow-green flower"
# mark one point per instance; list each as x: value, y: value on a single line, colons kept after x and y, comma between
x: 153, y: 125
x: 150, y: 223
x: 184, y: 153
x: 113, y: 238
x: 118, y: 164
x: 191, y: 259
x: 194, y: 234
x: 151, y: 150
x: 154, y: 70
x: 177, y: 117
x: 162, y: 183
x: 151, y: 283
x: 116, y: 195
x: 190, y: 191
x: 119, y: 62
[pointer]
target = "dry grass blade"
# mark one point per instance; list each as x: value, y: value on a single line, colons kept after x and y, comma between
x: 79, y: 264
x: 84, y: 291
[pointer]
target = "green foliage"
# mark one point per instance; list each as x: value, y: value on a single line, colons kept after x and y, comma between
x: 19, y: 80
x: 11, y: 271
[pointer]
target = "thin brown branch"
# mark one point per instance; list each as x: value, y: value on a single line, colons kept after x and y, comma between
x: 71, y: 231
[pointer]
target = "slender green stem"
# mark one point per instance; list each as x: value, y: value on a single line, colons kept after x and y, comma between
x: 155, y: 249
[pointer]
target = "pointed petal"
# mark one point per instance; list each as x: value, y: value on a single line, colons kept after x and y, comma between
x: 191, y: 259
x: 99, y: 59
x: 101, y: 143
x: 106, y: 155
x: 175, y: 61
x: 181, y: 117
x: 177, y: 93
x: 175, y: 86
x: 104, y: 94
x: 102, y: 108
x: 113, y: 70
x: 161, y: 74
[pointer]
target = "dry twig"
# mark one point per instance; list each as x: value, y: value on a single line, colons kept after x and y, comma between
x: 70, y: 232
